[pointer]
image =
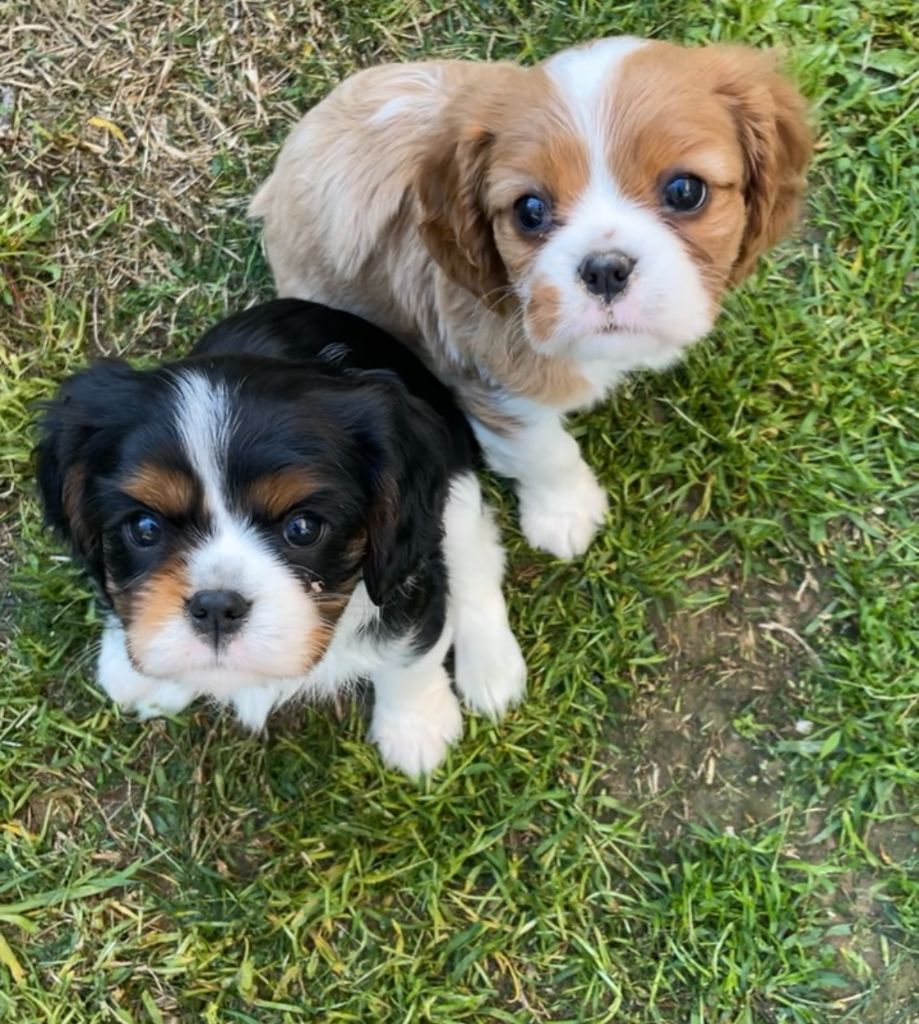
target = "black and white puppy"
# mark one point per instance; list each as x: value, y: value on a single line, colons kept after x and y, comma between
x: 290, y: 509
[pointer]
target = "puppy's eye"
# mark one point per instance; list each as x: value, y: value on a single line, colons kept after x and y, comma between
x: 303, y: 529
x: 144, y: 530
x: 684, y: 193
x: 533, y: 214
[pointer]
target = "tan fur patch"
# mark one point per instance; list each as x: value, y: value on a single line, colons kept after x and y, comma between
x: 505, y: 137
x: 166, y: 490
x: 715, y: 112
x: 543, y: 311
x: 331, y: 604
x: 536, y: 151
x: 158, y: 599
x: 72, y: 500
x: 330, y: 608
x: 277, y: 493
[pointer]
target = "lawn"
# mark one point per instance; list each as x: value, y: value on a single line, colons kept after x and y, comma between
x: 706, y: 809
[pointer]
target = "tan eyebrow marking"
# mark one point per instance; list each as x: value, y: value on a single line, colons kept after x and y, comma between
x: 166, y: 490
x: 274, y: 493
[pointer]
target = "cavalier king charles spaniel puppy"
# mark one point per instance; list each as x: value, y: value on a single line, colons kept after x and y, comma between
x: 538, y: 232
x: 290, y: 509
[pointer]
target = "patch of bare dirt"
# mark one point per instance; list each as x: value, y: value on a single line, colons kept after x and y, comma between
x: 689, y: 745
x: 895, y: 998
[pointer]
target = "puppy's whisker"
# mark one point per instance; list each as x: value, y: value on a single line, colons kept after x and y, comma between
x: 332, y: 597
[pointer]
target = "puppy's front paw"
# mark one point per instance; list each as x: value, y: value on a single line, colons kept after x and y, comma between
x: 162, y: 701
x: 490, y: 671
x: 562, y: 520
x: 144, y: 695
x: 414, y: 737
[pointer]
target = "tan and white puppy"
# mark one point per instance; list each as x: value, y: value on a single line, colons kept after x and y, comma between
x: 538, y: 232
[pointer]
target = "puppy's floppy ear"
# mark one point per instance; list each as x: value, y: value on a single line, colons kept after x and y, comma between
x: 89, y: 413
x: 410, y: 452
x: 771, y: 119
x: 454, y: 225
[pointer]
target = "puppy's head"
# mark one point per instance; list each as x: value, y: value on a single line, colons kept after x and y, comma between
x: 228, y: 507
x: 615, y: 192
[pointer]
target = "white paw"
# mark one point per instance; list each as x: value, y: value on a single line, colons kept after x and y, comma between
x: 165, y: 699
x: 562, y: 520
x: 414, y: 737
x: 253, y: 706
x: 490, y: 671
x: 145, y: 710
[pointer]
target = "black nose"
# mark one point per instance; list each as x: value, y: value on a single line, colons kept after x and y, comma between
x: 606, y: 273
x: 216, y: 614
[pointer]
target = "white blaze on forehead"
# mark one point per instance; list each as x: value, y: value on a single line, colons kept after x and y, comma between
x: 584, y: 75
x: 231, y: 555
x: 204, y: 422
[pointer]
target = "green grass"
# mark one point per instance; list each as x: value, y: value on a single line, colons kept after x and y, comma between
x: 705, y: 811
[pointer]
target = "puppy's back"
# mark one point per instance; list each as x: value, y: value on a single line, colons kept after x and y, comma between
x: 345, y: 175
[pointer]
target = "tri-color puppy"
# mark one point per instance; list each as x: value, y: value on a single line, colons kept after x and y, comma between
x: 290, y: 509
x: 540, y: 231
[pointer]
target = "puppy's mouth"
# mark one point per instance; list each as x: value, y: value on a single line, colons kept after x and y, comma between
x: 195, y: 657
x: 616, y: 318
x: 614, y: 325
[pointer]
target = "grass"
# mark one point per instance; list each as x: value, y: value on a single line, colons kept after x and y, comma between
x: 705, y: 812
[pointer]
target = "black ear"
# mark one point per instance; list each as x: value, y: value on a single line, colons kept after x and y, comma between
x: 76, y: 434
x: 412, y: 456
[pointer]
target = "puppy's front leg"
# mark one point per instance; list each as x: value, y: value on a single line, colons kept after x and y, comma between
x: 561, y: 503
x: 490, y: 670
x: 416, y: 715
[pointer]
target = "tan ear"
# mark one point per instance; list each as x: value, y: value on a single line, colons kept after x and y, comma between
x: 454, y: 224
x: 771, y: 119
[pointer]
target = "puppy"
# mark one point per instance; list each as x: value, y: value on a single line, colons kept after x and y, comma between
x: 290, y: 509
x: 541, y: 231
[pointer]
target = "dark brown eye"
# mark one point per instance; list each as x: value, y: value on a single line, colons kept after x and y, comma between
x: 303, y: 529
x: 533, y: 214
x: 684, y: 193
x: 144, y: 530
